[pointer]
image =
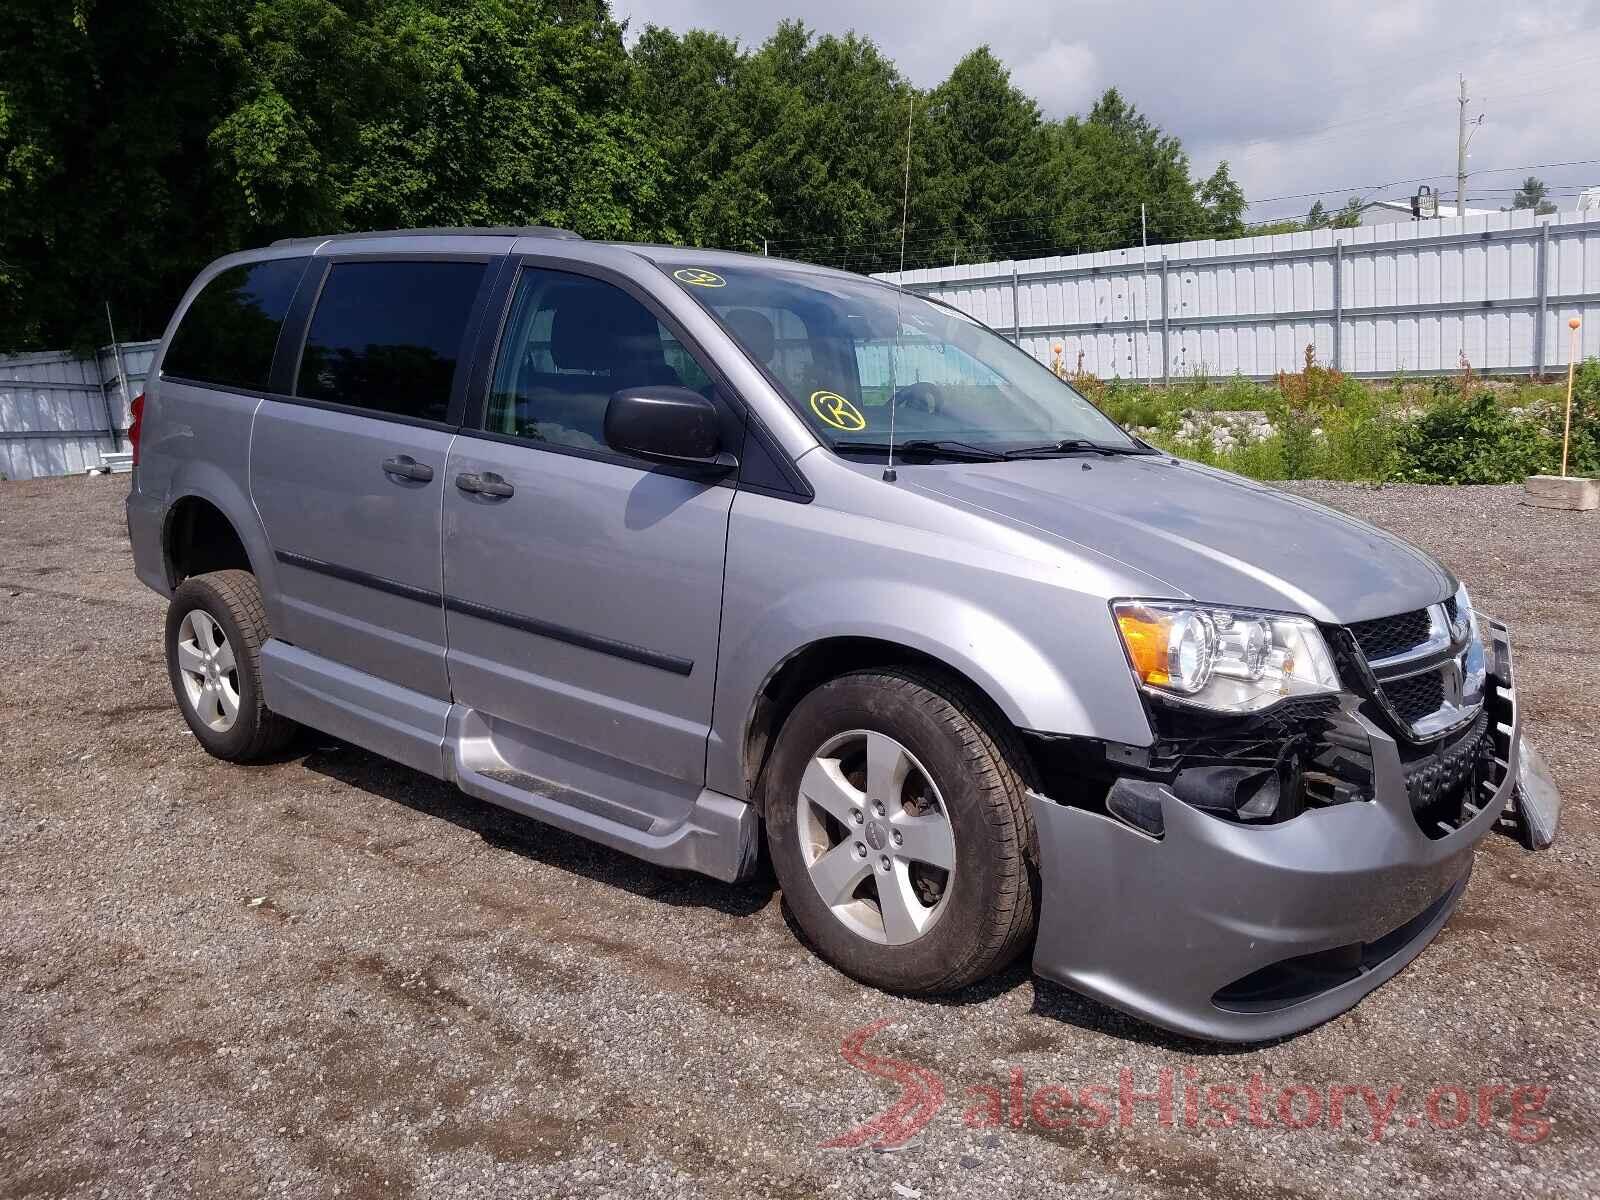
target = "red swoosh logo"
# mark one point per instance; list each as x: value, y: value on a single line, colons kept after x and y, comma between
x: 921, y: 1096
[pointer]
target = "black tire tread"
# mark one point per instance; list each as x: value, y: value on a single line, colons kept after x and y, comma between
x: 240, y: 593
x: 998, y: 760
x: 999, y: 765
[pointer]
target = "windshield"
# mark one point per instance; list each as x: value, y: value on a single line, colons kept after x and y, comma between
x: 850, y: 354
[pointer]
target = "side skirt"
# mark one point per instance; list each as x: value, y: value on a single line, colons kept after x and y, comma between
x: 714, y: 835
x: 706, y: 832
x: 383, y: 717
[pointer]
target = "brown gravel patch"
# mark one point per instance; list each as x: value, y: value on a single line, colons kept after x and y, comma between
x: 333, y: 976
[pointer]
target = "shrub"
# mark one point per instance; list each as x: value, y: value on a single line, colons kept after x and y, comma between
x: 1261, y: 459
x: 1330, y: 426
x: 1470, y: 440
x: 1583, y: 457
x: 1360, y: 436
x: 1312, y: 388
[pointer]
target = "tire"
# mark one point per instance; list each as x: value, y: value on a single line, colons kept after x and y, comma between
x: 231, y: 602
x: 984, y: 911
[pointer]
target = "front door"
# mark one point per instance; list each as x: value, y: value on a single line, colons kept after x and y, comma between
x: 348, y: 475
x: 583, y: 588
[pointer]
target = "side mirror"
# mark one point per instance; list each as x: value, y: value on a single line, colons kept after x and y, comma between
x: 670, y: 425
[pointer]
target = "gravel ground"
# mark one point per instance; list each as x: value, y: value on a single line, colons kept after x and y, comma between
x: 332, y: 976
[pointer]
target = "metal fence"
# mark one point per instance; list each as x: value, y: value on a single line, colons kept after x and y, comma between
x: 1375, y: 301
x: 59, y: 413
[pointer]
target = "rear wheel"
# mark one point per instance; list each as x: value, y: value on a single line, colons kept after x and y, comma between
x: 898, y: 825
x: 216, y: 626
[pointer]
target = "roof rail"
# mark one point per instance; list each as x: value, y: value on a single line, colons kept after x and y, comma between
x: 549, y: 231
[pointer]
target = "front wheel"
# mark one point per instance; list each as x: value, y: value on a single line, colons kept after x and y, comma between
x: 216, y: 626
x: 899, y: 829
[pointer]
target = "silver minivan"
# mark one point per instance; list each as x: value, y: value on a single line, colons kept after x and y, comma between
x: 686, y: 551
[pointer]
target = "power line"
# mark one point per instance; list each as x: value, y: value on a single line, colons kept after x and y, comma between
x: 1386, y: 117
x: 1387, y: 73
x: 823, y: 241
x: 842, y: 246
x: 1579, y: 162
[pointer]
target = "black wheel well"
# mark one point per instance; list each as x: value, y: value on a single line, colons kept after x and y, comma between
x: 821, y: 661
x: 199, y: 538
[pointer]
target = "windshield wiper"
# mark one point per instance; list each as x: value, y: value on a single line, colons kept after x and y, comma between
x: 925, y: 448
x: 1077, y: 446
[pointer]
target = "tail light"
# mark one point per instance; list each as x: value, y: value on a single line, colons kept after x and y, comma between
x: 135, y: 424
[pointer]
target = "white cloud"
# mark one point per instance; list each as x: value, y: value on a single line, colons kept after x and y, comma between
x: 1063, y: 77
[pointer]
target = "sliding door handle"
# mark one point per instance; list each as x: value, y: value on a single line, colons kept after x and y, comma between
x: 485, y: 484
x: 403, y: 466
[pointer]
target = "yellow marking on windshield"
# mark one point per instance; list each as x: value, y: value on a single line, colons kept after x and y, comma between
x: 699, y: 277
x: 835, y: 410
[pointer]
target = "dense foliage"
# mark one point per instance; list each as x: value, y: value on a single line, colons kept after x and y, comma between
x: 1325, y: 425
x: 141, y: 138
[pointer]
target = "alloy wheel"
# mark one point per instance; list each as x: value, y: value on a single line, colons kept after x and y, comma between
x: 875, y: 837
x: 209, y: 672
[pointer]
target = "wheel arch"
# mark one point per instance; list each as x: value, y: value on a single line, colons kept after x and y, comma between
x: 207, y: 503
x: 197, y: 537
x: 813, y: 664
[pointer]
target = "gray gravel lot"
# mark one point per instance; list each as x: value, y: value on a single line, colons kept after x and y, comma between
x: 332, y: 976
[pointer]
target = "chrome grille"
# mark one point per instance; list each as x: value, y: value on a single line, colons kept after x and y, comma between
x: 1415, y: 696
x: 1387, y: 636
x: 1428, y: 671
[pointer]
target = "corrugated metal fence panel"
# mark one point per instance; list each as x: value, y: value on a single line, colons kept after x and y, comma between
x: 136, y: 358
x: 1382, y: 300
x: 54, y: 409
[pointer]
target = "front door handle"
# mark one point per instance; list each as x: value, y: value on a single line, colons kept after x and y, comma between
x: 485, y: 484
x: 403, y: 466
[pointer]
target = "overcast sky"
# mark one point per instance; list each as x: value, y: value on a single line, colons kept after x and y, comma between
x: 1334, y: 96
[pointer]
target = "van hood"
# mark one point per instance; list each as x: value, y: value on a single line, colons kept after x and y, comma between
x: 1207, y: 535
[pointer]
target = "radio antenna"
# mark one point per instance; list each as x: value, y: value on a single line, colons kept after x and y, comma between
x: 889, y: 475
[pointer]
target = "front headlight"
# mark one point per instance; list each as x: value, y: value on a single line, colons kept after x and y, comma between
x: 1227, y: 659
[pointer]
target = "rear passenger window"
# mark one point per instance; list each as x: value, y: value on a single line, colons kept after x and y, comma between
x: 231, y: 330
x: 386, y: 336
x: 571, y: 342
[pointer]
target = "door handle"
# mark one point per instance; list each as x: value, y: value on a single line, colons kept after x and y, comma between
x: 485, y: 484
x: 403, y: 466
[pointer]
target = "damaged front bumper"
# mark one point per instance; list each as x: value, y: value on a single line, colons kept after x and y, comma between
x: 1239, y: 933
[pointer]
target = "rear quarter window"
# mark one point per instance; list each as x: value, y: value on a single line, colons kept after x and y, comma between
x: 386, y: 336
x: 230, y: 331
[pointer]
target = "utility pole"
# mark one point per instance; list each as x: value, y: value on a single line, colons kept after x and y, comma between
x: 1461, y: 148
x: 1144, y: 288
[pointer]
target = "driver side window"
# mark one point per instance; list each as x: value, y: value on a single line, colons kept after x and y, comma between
x: 569, y: 343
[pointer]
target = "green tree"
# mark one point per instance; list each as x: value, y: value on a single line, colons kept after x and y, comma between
x: 427, y: 112
x: 1223, y: 202
x: 796, y: 142
x: 983, y: 157
x: 1267, y: 228
x: 829, y: 126
x: 1116, y: 158
x: 141, y: 138
x: 1532, y: 195
x: 693, y: 92
x: 107, y: 186
x: 1317, y: 217
x: 1349, y: 214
